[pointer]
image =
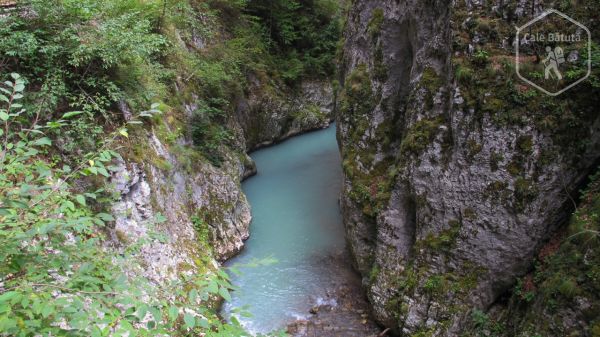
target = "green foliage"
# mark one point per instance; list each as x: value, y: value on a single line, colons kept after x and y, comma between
x: 375, y: 23
x: 434, y: 284
x: 484, y: 326
x: 463, y: 74
x: 74, y: 53
x: 93, y: 56
x: 481, y: 58
x: 375, y: 270
x: 380, y: 70
x: 594, y: 78
x: 302, y: 34
x: 523, y: 292
x: 419, y: 136
x: 566, y: 273
x: 430, y: 80
x: 202, y: 230
x: 581, y: 69
x: 357, y: 95
x: 444, y: 240
x: 525, y: 192
x: 525, y: 144
x: 57, y: 279
x: 208, y: 130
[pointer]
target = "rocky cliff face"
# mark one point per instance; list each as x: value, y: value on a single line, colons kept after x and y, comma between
x: 186, y: 210
x: 269, y: 114
x: 455, y: 174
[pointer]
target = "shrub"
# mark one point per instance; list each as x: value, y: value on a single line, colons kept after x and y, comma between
x: 209, y: 133
x: 481, y: 58
x: 71, y: 53
x: 57, y: 277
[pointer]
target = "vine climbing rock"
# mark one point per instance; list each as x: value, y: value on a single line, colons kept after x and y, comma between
x: 455, y: 173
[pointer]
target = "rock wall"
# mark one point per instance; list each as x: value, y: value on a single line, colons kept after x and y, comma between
x: 270, y: 114
x: 455, y: 173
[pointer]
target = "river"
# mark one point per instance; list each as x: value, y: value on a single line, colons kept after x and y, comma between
x: 297, y: 221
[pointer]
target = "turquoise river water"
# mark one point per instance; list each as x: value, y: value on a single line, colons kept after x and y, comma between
x: 297, y: 221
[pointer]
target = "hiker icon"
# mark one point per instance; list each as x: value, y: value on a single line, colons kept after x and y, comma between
x: 553, y: 61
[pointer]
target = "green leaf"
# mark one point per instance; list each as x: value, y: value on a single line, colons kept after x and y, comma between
x: 71, y: 114
x: 4, y: 116
x: 142, y: 311
x: 103, y: 172
x: 190, y: 321
x: 105, y: 216
x: 156, y: 313
x: 9, y: 296
x: 16, y: 204
x: 123, y: 133
x: 159, y: 218
x: 213, y: 287
x: 96, y: 332
x: 204, y: 323
x: 69, y: 205
x: 47, y: 310
x: 15, y: 76
x: 7, y: 324
x: 193, y: 295
x: 173, y: 312
x: 224, y: 293
x: 42, y: 141
x: 25, y: 302
x: 80, y: 199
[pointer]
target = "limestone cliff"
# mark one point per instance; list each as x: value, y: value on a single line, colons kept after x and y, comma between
x: 269, y: 114
x: 455, y: 173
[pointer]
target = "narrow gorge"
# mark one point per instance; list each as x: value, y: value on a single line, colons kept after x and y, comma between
x: 361, y: 168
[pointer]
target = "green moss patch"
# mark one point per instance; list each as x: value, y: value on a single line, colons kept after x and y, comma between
x: 375, y: 23
x: 419, y: 136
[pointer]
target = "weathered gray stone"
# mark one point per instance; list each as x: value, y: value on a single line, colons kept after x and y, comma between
x: 450, y: 216
x: 270, y: 114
